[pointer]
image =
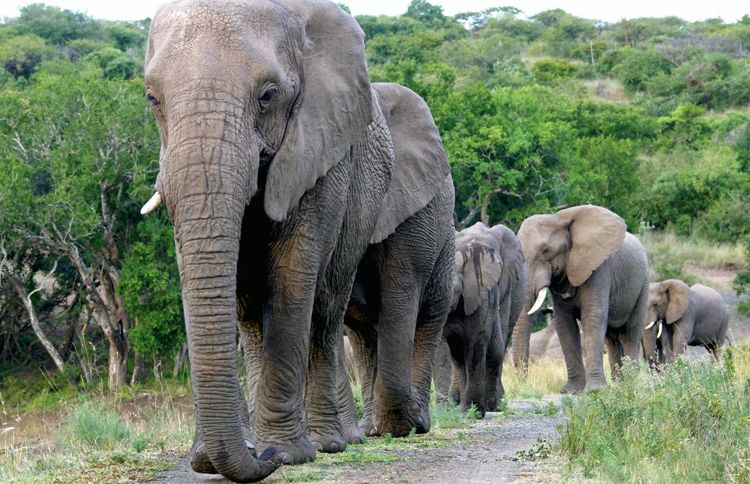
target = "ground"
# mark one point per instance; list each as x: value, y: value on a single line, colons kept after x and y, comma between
x: 508, y: 446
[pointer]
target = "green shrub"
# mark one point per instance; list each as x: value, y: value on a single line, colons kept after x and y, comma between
x: 552, y: 71
x: 687, y: 424
x: 91, y: 425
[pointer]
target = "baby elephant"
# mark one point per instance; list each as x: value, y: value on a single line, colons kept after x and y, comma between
x: 679, y: 316
x: 489, y: 283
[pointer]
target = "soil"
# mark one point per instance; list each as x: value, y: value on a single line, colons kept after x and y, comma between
x: 513, y: 446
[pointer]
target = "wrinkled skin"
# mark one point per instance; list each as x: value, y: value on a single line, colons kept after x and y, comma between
x: 598, y: 274
x: 688, y: 316
x: 275, y: 167
x: 489, y: 286
x: 402, y: 289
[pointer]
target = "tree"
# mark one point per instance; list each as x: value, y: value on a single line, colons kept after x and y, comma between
x: 75, y: 145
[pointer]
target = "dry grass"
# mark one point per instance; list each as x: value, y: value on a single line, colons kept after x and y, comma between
x: 608, y: 90
x: 697, y: 252
x: 544, y: 377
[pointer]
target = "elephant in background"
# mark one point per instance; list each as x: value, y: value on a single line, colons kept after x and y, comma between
x: 489, y: 287
x: 598, y: 274
x: 401, y: 294
x: 679, y: 316
x: 277, y: 170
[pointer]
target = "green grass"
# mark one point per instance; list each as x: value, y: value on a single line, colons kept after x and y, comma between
x: 668, y: 252
x: 690, y: 423
x: 91, y: 426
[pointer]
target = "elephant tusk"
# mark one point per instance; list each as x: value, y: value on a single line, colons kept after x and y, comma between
x: 658, y: 333
x: 152, y: 203
x: 650, y: 325
x: 539, y: 301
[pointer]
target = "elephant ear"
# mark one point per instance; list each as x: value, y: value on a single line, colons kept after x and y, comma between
x: 421, y: 165
x: 483, y: 265
x: 678, y: 294
x: 595, y: 234
x: 333, y: 108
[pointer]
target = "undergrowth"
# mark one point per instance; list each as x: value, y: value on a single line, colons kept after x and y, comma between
x: 689, y: 423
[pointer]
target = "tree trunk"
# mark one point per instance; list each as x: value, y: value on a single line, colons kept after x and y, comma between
x: 34, y: 318
x: 179, y: 360
x: 139, y: 371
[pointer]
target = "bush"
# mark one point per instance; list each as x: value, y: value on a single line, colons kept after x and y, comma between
x: 552, y: 71
x: 91, y: 425
x: 686, y: 424
x: 727, y: 220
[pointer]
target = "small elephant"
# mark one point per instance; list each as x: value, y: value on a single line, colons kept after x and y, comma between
x: 277, y: 170
x: 598, y: 274
x: 679, y: 316
x: 489, y: 286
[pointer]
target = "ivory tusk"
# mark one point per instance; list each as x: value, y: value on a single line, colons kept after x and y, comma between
x: 539, y: 301
x: 152, y: 203
x: 650, y: 325
x: 658, y: 333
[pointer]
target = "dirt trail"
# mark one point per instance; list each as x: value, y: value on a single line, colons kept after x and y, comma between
x: 500, y: 448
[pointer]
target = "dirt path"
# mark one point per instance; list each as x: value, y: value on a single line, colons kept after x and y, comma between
x: 503, y: 447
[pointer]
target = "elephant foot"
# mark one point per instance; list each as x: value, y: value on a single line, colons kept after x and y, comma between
x: 367, y: 427
x: 200, y: 462
x: 353, y: 434
x: 327, y: 438
x: 292, y: 452
x: 400, y: 423
x: 574, y: 387
x: 594, y: 385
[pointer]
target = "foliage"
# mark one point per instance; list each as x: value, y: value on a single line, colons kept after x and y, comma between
x: 687, y: 423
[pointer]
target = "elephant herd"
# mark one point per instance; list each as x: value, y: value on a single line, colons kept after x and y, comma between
x: 305, y: 198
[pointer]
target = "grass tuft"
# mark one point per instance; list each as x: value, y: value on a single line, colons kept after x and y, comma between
x: 89, y: 425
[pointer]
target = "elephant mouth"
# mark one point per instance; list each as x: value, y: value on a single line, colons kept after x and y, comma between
x: 266, y: 157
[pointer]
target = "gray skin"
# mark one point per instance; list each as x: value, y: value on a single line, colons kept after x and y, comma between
x: 276, y: 162
x: 489, y: 288
x: 688, y: 316
x: 598, y: 274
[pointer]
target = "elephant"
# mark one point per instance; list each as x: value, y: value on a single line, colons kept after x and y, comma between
x: 277, y: 171
x: 598, y: 274
x: 400, y: 298
x: 489, y: 287
x: 678, y: 316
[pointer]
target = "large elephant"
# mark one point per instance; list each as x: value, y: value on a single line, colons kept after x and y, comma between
x: 489, y: 287
x: 276, y: 163
x: 598, y: 274
x: 678, y: 316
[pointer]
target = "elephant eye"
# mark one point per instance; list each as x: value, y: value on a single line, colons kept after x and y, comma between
x: 268, y: 96
x: 152, y: 100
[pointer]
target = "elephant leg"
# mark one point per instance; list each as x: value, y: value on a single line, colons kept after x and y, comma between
x: 324, y: 383
x: 429, y: 331
x: 570, y: 344
x: 364, y: 342
x: 347, y: 410
x: 476, y: 377
x: 633, y: 336
x: 251, y: 338
x: 679, y: 341
x: 395, y: 409
x: 442, y: 372
x: 594, y: 327
x: 614, y: 353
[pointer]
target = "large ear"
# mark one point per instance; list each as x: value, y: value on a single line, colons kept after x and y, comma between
x: 678, y: 293
x: 595, y: 234
x: 333, y: 108
x: 483, y: 265
x: 421, y: 165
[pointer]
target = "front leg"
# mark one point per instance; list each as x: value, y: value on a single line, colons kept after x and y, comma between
x: 594, y: 326
x: 570, y: 343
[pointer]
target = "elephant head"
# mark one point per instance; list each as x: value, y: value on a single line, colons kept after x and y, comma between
x: 478, y: 266
x: 562, y: 250
x: 667, y: 303
x: 254, y: 99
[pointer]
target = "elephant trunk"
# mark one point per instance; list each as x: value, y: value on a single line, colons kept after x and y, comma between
x: 207, y: 194
x: 521, y: 337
